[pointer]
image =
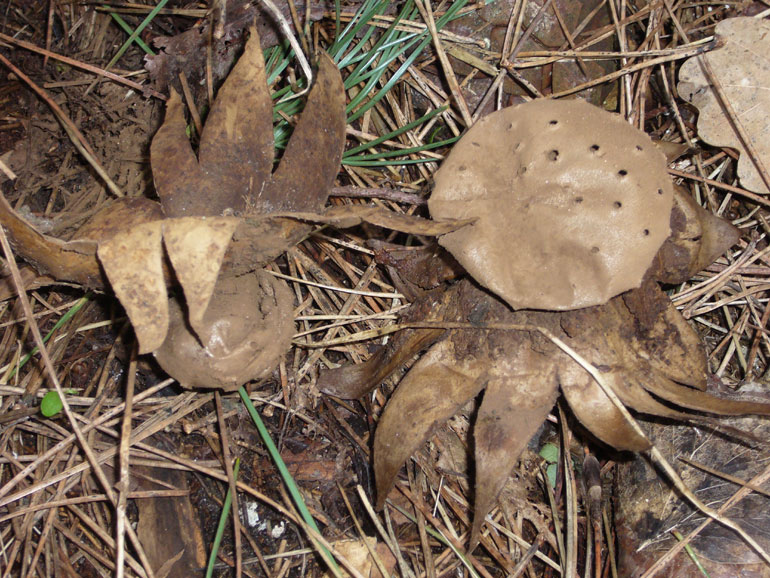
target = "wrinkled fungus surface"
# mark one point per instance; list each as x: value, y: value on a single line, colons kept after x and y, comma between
x: 571, y: 204
x: 532, y: 244
x: 248, y: 324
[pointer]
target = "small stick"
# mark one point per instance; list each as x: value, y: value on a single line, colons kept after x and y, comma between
x: 427, y: 14
x: 228, y: 466
x: 144, y: 90
x: 286, y: 29
x: 92, y: 459
x: 379, y: 193
x: 125, y: 481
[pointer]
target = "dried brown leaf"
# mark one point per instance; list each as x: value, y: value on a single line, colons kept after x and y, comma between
x: 743, y: 71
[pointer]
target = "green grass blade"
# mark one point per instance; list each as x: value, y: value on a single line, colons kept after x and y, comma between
x: 284, y: 471
x: 399, y: 162
x: 395, y: 133
x: 691, y: 553
x: 408, y: 151
x: 366, y: 59
x: 64, y: 318
x: 135, y: 34
x: 226, y: 510
x: 128, y: 30
x: 361, y: 18
x: 424, y: 40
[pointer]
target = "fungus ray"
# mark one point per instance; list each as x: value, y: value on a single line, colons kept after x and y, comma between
x: 353, y: 381
x: 701, y: 401
x: 436, y: 387
x: 196, y: 248
x: 236, y: 150
x: 512, y: 410
x: 312, y: 157
x: 595, y: 410
x: 133, y: 262
x: 666, y: 341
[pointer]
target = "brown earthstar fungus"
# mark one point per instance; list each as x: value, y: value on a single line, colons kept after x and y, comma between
x: 575, y: 222
x: 216, y: 226
x: 587, y: 216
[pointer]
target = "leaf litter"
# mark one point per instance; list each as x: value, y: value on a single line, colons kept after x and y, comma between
x: 733, y: 101
x: 252, y: 240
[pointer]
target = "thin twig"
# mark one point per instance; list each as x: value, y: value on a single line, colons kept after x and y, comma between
x: 97, y: 469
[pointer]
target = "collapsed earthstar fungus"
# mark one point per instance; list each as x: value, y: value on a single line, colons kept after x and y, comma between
x: 214, y: 229
x: 575, y: 223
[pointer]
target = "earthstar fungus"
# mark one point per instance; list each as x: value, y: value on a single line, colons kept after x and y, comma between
x: 575, y: 222
x: 216, y: 226
x: 579, y: 197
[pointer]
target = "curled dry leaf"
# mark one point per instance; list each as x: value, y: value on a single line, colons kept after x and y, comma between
x: 632, y: 333
x: 358, y: 553
x: 743, y: 73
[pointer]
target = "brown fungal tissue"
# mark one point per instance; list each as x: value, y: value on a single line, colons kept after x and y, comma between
x: 571, y: 204
x: 212, y: 232
x: 574, y: 224
x: 247, y: 327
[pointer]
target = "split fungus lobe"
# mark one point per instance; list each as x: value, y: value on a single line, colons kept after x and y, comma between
x: 546, y: 183
x: 215, y: 227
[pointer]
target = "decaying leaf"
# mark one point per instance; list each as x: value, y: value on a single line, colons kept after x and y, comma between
x: 743, y: 73
x: 646, y: 513
x: 358, y: 553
